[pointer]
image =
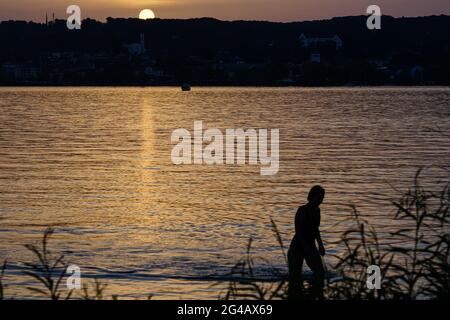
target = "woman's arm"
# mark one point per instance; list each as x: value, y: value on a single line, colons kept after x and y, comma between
x: 320, y: 243
x: 318, y: 237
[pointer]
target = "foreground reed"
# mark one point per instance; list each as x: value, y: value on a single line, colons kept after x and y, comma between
x: 2, y: 273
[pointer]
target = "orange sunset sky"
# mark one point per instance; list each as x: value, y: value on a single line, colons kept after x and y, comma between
x: 273, y: 10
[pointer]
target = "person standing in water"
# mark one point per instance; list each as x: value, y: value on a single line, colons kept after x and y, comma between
x: 303, y: 245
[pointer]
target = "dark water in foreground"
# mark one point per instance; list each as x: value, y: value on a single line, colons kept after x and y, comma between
x: 95, y: 164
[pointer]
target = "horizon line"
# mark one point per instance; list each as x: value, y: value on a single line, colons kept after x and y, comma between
x: 225, y: 20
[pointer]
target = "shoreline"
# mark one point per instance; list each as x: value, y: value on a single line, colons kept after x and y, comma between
x: 217, y: 86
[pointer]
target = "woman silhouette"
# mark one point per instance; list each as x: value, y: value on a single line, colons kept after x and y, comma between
x: 303, y: 245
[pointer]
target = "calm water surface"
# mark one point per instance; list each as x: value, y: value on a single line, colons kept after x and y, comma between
x: 94, y: 163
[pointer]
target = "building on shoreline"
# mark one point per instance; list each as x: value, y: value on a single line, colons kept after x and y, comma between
x: 308, y: 42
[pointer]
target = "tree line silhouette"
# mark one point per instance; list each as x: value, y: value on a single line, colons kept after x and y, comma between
x: 206, y: 51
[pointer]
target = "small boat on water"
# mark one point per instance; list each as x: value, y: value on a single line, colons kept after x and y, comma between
x: 186, y: 87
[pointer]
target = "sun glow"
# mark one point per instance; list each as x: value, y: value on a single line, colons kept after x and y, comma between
x: 146, y: 14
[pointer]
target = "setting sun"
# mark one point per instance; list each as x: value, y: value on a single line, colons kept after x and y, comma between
x: 146, y: 14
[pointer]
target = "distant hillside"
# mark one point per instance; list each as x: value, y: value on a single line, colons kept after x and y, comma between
x: 213, y: 52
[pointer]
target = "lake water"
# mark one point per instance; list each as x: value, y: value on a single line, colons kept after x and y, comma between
x: 94, y: 163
